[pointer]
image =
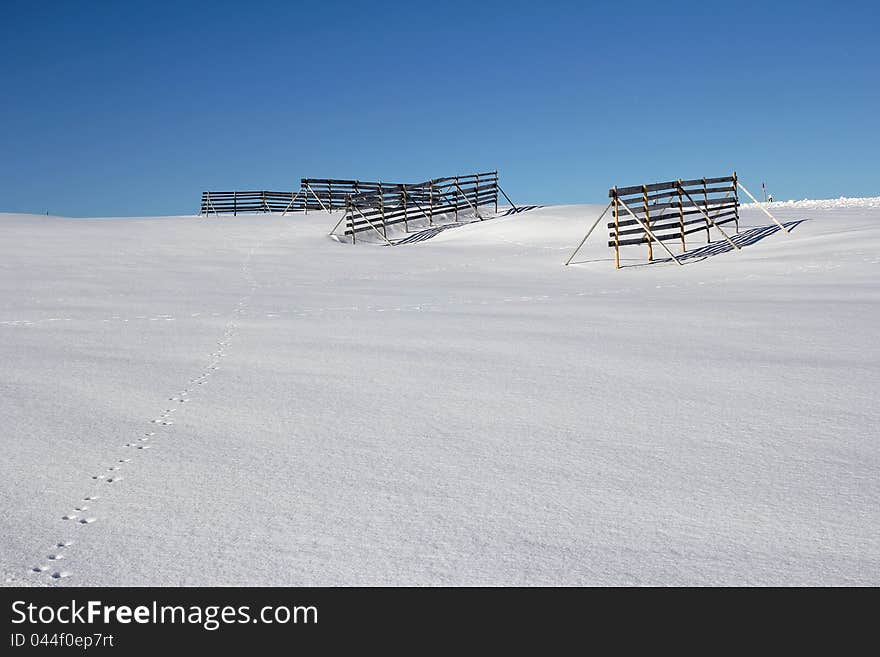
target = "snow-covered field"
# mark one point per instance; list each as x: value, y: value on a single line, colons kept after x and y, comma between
x: 264, y: 406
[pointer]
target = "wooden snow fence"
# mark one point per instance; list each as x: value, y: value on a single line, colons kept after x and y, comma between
x: 392, y: 204
x: 330, y: 193
x: 452, y: 194
x: 314, y: 194
x: 248, y: 202
x: 670, y: 211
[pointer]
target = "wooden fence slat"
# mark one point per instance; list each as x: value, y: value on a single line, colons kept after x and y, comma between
x: 637, y: 190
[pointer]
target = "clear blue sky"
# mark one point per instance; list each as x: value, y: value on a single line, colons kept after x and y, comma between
x: 134, y: 108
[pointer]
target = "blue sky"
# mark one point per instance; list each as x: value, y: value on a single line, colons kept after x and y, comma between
x: 129, y: 108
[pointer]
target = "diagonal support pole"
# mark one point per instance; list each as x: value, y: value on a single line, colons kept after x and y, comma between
x: 708, y: 218
x: 512, y: 204
x: 648, y: 231
x: 338, y: 223
x: 356, y: 209
x: 412, y: 198
x: 717, y: 212
x: 211, y: 206
x: 468, y: 201
x: 317, y: 198
x: 589, y: 232
x: 449, y: 197
x: 763, y: 209
x: 292, y: 201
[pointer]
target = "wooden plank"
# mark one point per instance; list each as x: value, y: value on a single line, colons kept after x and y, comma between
x: 638, y: 189
x: 713, y: 202
x: 642, y: 240
x: 338, y: 181
x: 708, y: 181
x: 688, y: 209
x: 674, y: 225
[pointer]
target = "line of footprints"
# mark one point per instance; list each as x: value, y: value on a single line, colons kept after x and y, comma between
x: 80, y: 514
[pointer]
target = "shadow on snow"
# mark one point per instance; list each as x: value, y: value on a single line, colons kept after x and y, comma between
x: 719, y: 247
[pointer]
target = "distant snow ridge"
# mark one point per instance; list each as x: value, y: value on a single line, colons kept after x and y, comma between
x: 842, y: 202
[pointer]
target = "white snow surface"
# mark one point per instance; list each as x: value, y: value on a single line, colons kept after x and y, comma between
x: 824, y: 204
x: 464, y: 410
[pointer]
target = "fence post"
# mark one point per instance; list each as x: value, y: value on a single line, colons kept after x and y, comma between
x: 736, y: 201
x: 350, y: 214
x: 382, y: 210
x: 405, y: 217
x: 330, y: 194
x: 681, y: 216
x: 706, y: 208
x: 496, y: 191
x: 234, y: 203
x: 616, y: 230
x: 648, y: 222
x: 431, y: 201
x: 455, y: 196
x: 477, y: 195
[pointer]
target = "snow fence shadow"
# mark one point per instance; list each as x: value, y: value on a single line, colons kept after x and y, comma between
x: 742, y: 240
x: 432, y: 231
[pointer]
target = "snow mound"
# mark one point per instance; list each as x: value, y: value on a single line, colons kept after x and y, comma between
x: 826, y: 204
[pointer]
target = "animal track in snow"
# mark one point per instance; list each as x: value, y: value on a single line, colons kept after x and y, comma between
x: 163, y: 419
